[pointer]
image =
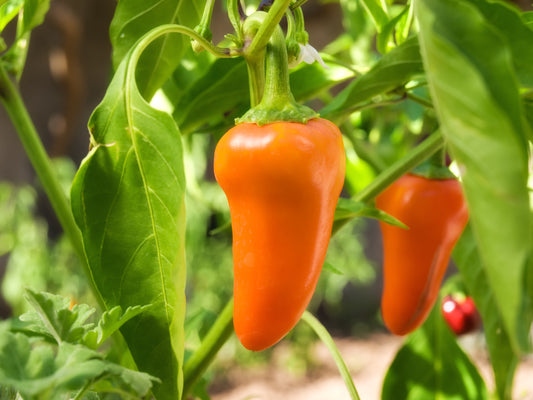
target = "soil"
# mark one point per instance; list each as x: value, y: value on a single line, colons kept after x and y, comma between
x: 367, y: 359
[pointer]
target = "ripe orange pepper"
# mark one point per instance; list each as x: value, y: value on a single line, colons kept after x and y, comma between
x: 282, y: 181
x: 415, y: 259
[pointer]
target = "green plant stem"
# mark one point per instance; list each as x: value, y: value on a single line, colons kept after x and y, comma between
x: 266, y: 29
x: 256, y: 79
x: 420, y: 153
x: 207, y: 14
x: 14, y: 105
x: 204, y: 355
x: 326, y: 338
x: 234, y: 17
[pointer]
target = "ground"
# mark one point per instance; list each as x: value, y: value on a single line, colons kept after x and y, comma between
x: 367, y: 359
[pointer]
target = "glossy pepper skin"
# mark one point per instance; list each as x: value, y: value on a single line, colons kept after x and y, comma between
x: 282, y: 182
x: 415, y: 259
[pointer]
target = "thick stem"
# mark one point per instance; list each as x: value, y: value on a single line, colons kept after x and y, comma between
x: 256, y: 79
x: 326, y: 338
x: 204, y: 355
x: 277, y: 103
x: 14, y: 105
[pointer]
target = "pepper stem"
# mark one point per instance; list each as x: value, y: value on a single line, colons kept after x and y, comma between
x: 278, y: 103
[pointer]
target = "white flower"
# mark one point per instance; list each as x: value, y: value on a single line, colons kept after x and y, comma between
x: 308, y: 54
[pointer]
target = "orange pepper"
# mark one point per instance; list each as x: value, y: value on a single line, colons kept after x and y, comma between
x: 282, y: 181
x: 415, y: 259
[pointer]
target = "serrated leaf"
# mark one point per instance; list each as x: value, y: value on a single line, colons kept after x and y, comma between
x: 393, y: 70
x: 135, y: 18
x: 503, y: 359
x: 36, y: 371
x: 431, y: 365
x: 54, y: 316
x: 109, y: 323
x: 474, y: 88
x: 128, y: 200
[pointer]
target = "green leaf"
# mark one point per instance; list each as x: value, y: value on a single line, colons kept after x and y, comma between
x: 110, y: 322
x: 32, y: 15
x: 309, y: 80
x: 474, y: 89
x: 431, y: 365
x: 135, y: 18
x: 384, y: 37
x: 36, y: 371
x: 392, y: 71
x: 506, y: 20
x: 222, y: 90
x: 348, y: 209
x: 9, y: 10
x: 377, y: 11
x: 128, y: 200
x: 54, y: 317
x: 503, y: 360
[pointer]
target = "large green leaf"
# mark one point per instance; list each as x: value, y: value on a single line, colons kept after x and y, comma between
x: 503, y: 360
x: 431, y: 365
x: 128, y: 200
x: 393, y: 70
x: 513, y: 29
x: 134, y: 18
x: 474, y: 88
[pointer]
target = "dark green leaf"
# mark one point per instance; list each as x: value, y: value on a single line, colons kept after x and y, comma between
x: 222, y: 90
x: 512, y: 28
x: 376, y: 12
x: 128, y: 200
x: 431, y: 365
x: 135, y: 18
x: 503, y: 359
x: 474, y: 88
x: 393, y: 70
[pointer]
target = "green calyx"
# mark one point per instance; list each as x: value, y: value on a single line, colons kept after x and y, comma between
x: 277, y: 103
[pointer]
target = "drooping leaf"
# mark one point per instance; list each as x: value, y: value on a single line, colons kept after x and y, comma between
x: 128, y: 200
x: 431, y: 365
x: 134, y: 18
x: 503, y: 360
x: 393, y: 70
x: 474, y: 88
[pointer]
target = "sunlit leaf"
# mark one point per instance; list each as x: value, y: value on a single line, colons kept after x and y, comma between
x: 128, y: 200
x: 474, y: 88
